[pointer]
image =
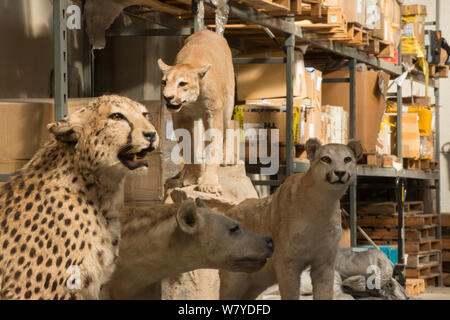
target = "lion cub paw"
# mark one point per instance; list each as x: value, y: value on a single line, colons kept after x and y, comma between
x: 209, y: 188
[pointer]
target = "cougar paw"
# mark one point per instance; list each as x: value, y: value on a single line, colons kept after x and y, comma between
x: 209, y: 188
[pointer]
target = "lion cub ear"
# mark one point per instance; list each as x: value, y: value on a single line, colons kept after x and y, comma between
x: 312, y: 147
x: 357, y: 148
x: 203, y: 70
x: 164, y: 67
x: 187, y: 217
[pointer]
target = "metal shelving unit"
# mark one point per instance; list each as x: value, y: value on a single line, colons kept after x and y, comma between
x: 293, y: 33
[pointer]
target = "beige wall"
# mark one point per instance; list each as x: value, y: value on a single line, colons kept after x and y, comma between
x: 26, y: 55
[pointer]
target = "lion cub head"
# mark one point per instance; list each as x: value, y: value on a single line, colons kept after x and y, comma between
x: 180, y: 84
x: 334, y: 164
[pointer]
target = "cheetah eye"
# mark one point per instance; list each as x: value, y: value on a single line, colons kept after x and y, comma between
x: 182, y: 84
x: 347, y: 160
x: 163, y: 82
x: 117, y: 116
x: 326, y: 159
x: 234, y: 229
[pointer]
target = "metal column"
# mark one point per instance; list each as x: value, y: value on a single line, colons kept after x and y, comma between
x: 437, y: 146
x: 198, y: 21
x: 88, y: 64
x: 352, y: 189
x: 290, y: 43
x: 60, y: 57
x: 400, y: 183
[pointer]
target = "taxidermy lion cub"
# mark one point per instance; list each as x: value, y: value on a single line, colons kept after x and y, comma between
x: 200, y: 86
x: 303, y: 218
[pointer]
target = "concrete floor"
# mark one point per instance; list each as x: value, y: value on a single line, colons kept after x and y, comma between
x: 434, y: 293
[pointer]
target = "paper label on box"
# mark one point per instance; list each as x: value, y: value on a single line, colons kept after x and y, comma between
x: 319, y: 83
x: 333, y: 18
x: 408, y: 30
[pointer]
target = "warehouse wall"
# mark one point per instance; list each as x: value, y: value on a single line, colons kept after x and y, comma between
x: 444, y: 97
x: 26, y: 58
x: 128, y: 65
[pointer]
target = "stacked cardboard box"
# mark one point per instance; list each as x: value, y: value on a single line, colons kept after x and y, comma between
x: 390, y: 20
x: 413, y: 25
x: 370, y: 102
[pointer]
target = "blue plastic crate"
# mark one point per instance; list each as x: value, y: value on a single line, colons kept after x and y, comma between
x: 390, y: 251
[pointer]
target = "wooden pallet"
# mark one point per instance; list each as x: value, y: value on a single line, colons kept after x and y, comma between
x: 423, y: 258
x: 389, y: 233
x: 389, y: 208
x: 445, y: 254
x: 411, y: 247
x: 414, y: 221
x: 378, y: 161
x: 424, y: 271
x: 446, y: 278
x: 414, y: 287
x: 438, y: 71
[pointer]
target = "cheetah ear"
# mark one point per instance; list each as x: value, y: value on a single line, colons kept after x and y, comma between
x: 67, y: 129
x: 312, y: 147
x: 187, y: 217
x: 164, y: 67
x: 203, y: 70
x: 357, y: 148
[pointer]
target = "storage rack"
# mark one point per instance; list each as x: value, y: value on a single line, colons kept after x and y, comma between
x: 292, y: 33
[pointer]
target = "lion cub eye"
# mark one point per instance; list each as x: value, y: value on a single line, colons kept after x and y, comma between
x: 347, y: 160
x: 163, y: 82
x: 182, y: 84
x: 326, y: 159
x: 117, y: 116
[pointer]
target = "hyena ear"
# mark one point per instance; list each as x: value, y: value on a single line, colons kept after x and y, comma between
x: 312, y: 147
x: 69, y: 128
x: 199, y: 203
x: 187, y: 217
x: 357, y: 148
x: 203, y: 70
x: 164, y: 67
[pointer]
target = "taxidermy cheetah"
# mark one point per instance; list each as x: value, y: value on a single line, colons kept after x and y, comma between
x: 59, y: 227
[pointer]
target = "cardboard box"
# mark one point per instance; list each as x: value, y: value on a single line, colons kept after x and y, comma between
x: 355, y: 11
x: 313, y: 78
x: 370, y: 103
x: 414, y: 10
x: 384, y: 137
x: 410, y: 135
x: 23, y: 125
x: 334, y: 3
x: 334, y: 124
x: 373, y: 14
x: 258, y: 81
x: 150, y: 187
x: 10, y: 166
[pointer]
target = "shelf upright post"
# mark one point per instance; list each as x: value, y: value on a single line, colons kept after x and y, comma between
x: 60, y: 57
x: 290, y: 43
x: 198, y: 19
x: 399, y: 182
x: 437, y: 147
x: 352, y: 189
x: 88, y: 63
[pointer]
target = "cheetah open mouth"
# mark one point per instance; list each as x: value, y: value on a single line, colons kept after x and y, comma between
x: 134, y: 160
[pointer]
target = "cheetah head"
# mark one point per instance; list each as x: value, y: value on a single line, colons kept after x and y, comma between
x: 111, y: 135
